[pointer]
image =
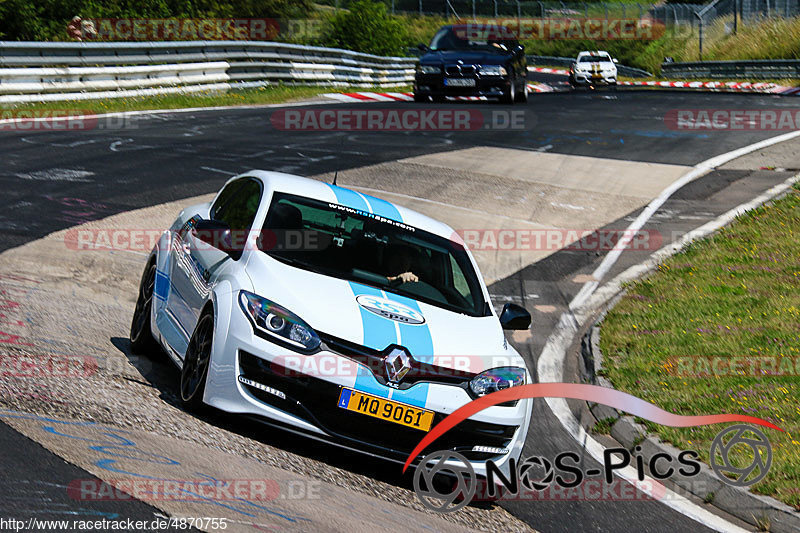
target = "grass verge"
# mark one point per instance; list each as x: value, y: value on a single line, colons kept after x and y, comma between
x: 734, y: 297
x: 273, y: 94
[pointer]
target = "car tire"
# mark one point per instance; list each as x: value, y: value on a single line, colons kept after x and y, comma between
x: 141, y: 335
x: 420, y: 98
x: 439, y: 99
x: 194, y: 370
x: 510, y: 96
x: 522, y: 96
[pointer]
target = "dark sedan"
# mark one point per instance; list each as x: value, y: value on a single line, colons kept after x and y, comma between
x: 472, y: 60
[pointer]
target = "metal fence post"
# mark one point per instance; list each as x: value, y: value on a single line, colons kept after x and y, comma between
x: 473, y: 11
x: 519, y: 14
x: 420, y: 7
x: 392, y: 7
x: 605, y: 7
x: 700, y: 33
x: 624, y: 12
x: 495, y: 8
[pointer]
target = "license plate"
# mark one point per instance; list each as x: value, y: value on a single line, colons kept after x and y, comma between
x: 399, y: 413
x: 459, y: 82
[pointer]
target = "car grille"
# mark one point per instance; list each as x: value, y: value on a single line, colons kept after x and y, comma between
x: 315, y: 401
x: 373, y: 360
x: 460, y: 70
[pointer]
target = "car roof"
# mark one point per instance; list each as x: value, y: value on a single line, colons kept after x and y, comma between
x: 323, y: 191
x: 593, y: 53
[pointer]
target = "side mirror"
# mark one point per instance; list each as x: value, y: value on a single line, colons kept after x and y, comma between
x: 615, y: 60
x: 423, y: 47
x: 515, y: 317
x: 214, y: 233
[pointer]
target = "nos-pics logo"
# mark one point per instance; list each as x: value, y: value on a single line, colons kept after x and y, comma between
x: 445, y: 481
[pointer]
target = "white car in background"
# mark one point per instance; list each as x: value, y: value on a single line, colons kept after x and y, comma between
x: 593, y: 68
x: 346, y: 319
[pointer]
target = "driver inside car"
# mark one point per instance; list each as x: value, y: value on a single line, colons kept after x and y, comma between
x: 399, y: 266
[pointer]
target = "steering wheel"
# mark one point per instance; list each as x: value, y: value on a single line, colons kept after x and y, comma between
x: 426, y: 290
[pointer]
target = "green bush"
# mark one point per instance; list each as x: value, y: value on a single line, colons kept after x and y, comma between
x: 366, y: 27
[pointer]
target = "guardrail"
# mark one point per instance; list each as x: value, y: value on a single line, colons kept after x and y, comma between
x: 622, y: 70
x: 743, y: 69
x: 37, y: 71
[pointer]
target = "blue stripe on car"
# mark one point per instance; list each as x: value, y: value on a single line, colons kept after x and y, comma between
x: 417, y: 339
x: 161, y: 288
x: 366, y: 203
x: 350, y: 198
x: 384, y: 209
x: 379, y: 333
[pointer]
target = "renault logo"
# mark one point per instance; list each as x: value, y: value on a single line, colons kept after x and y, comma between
x: 397, y: 364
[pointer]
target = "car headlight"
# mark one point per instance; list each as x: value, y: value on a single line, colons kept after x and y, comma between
x: 429, y: 69
x: 272, y: 319
x: 493, y: 70
x: 497, y: 379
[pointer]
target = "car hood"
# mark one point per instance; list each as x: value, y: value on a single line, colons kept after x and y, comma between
x: 351, y: 311
x: 470, y: 58
x: 603, y: 64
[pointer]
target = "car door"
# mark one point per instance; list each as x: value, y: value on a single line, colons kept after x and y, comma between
x: 197, y: 264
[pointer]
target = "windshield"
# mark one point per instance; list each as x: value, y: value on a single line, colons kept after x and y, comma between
x: 465, y: 38
x: 594, y: 59
x: 338, y: 241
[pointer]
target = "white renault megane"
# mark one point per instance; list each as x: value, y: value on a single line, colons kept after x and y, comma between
x: 333, y: 314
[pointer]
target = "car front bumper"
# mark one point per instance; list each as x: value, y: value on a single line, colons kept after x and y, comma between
x: 588, y: 78
x: 308, y: 403
x: 434, y: 85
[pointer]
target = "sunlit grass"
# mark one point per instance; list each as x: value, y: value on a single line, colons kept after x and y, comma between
x: 736, y: 294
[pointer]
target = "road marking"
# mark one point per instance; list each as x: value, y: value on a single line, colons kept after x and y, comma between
x: 551, y: 360
x: 698, y: 170
x: 57, y: 174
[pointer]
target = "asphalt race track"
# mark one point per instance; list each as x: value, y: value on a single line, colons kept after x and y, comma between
x: 55, y: 180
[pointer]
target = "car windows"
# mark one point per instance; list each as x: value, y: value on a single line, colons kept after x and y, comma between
x: 594, y: 59
x: 459, y: 279
x: 338, y: 241
x: 466, y: 38
x: 224, y: 197
x: 238, y: 207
